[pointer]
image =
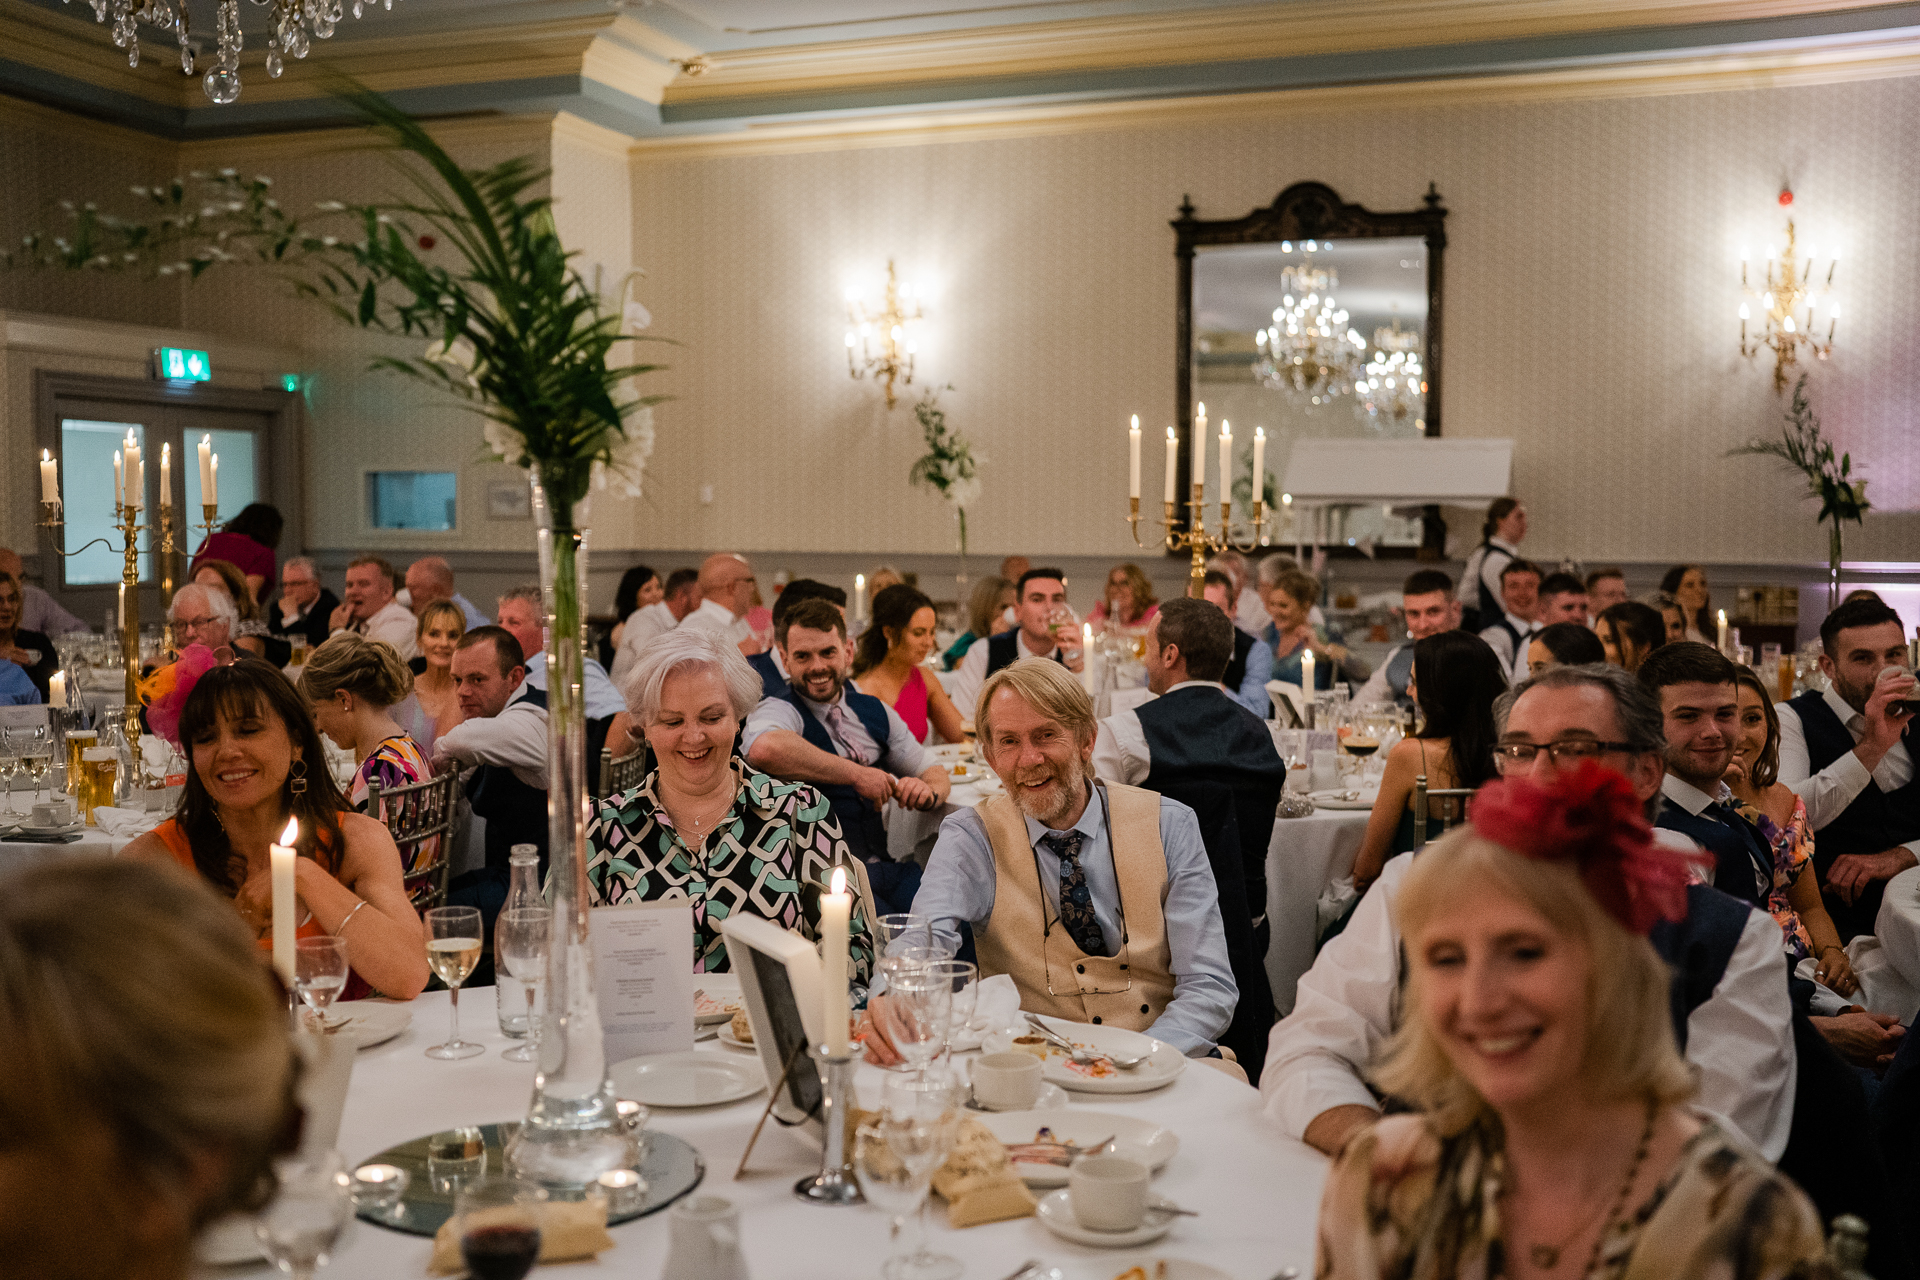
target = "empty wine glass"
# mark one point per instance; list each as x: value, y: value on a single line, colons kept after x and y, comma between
x: 36, y: 756
x: 10, y: 767
x: 521, y: 938
x: 298, y: 1228
x: 923, y: 999
x: 319, y: 973
x: 497, y: 1221
x: 904, y: 927
x: 920, y: 1117
x: 962, y: 979
x: 453, y: 948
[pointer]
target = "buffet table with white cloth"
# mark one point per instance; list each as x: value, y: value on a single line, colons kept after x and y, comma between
x: 1258, y: 1191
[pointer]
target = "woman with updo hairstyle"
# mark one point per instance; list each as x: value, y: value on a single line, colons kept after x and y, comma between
x: 889, y: 664
x: 353, y: 684
x: 150, y: 1072
x: 1549, y: 1129
x: 1628, y: 632
x: 254, y: 760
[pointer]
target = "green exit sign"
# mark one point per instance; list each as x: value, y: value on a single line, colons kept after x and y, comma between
x: 180, y: 364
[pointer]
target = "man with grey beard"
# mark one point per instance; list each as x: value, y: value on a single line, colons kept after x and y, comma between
x: 1096, y: 898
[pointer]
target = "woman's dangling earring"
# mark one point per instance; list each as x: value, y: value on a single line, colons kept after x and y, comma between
x: 298, y: 769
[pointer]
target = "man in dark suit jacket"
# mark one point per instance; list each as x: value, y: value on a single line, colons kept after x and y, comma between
x: 305, y: 608
x: 1196, y: 745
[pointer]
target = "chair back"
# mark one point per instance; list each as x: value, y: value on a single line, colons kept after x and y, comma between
x: 420, y: 818
x: 1421, y: 794
x: 622, y: 773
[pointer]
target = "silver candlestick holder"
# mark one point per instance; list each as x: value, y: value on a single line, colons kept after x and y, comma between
x: 835, y: 1183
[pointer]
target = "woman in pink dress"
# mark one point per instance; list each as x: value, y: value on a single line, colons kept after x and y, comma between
x: 890, y: 664
x: 1129, y: 601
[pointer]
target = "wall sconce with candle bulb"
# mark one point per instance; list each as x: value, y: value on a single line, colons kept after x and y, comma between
x: 880, y: 340
x: 1788, y: 319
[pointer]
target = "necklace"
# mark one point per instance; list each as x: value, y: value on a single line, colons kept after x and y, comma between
x: 697, y: 819
x: 1547, y: 1256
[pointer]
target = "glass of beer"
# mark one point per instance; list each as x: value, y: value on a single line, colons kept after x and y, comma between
x: 1784, y: 676
x: 299, y: 643
x: 99, y: 766
x: 453, y: 949
x: 78, y: 741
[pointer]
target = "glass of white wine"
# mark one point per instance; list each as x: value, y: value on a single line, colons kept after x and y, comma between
x: 453, y: 948
x: 36, y: 757
x: 319, y: 973
x: 522, y: 936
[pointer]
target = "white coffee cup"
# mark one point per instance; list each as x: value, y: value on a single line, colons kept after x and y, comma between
x: 53, y: 813
x: 704, y: 1240
x: 1108, y: 1193
x: 1006, y: 1081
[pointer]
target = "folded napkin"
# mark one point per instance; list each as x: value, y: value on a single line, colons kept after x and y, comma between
x: 977, y: 1180
x: 569, y: 1229
x: 996, y: 1005
x: 124, y: 824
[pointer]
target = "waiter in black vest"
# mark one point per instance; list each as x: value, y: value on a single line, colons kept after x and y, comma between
x: 1040, y: 602
x: 1196, y: 745
x: 1849, y: 753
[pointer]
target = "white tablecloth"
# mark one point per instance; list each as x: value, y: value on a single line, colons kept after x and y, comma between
x: 1303, y: 856
x: 1258, y: 1190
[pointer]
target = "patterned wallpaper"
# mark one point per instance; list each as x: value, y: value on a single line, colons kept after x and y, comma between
x: 1591, y: 290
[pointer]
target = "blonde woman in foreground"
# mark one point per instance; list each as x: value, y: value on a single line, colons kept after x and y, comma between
x: 1553, y: 1138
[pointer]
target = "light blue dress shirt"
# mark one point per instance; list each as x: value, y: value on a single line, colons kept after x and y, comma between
x: 474, y: 617
x: 1252, y: 693
x: 603, y: 699
x: 17, y: 689
x: 959, y: 885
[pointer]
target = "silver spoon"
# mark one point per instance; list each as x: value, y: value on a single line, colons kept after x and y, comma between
x: 1085, y: 1057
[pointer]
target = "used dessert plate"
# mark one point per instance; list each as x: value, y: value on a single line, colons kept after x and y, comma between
x: 716, y: 998
x: 1158, y: 1071
x: 1041, y: 1144
x: 365, y: 1023
x: 687, y: 1079
x: 1143, y: 1267
x: 1055, y: 1212
x: 727, y: 1038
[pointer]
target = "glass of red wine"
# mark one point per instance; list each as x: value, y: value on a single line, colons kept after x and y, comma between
x: 498, y: 1222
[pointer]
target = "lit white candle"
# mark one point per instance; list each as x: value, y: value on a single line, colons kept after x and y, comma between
x: 281, y: 858
x: 1259, y: 464
x: 859, y: 596
x: 50, y: 478
x: 119, y: 485
x: 1197, y: 474
x: 1226, y: 461
x: 57, y: 690
x: 836, y: 907
x: 1133, y: 458
x: 1173, y: 465
x: 1306, y: 672
x: 166, y: 475
x: 206, y: 467
x: 213, y: 474
x: 1723, y: 630
x: 134, y: 473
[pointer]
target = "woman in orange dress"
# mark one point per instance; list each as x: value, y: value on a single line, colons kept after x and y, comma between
x: 256, y: 760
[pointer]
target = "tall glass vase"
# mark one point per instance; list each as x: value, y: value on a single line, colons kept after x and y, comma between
x: 1833, y: 568
x: 572, y: 1133
x: 960, y: 579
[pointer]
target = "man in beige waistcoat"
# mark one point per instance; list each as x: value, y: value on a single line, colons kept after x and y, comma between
x: 1097, y: 899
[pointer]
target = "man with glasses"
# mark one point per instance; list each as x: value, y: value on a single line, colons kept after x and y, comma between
x: 202, y: 616
x: 1731, y: 1010
x: 1097, y: 899
x: 726, y: 593
x: 305, y: 607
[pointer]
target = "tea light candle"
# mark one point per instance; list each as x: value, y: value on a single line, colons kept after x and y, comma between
x: 624, y: 1188
x: 835, y: 909
x: 281, y: 859
x: 1133, y: 458
x: 378, y: 1186
x: 49, y: 478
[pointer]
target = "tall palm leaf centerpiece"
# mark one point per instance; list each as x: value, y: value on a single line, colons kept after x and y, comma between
x: 513, y: 330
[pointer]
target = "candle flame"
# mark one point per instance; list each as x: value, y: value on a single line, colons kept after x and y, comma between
x: 1169, y: 433
x: 48, y: 457
x: 839, y: 881
x: 291, y: 834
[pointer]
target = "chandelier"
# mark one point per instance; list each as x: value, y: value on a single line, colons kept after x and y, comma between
x: 1392, y: 388
x: 1786, y: 308
x: 1308, y: 351
x: 293, y: 24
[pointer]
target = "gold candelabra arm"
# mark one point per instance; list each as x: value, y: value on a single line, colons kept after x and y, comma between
x: 211, y: 512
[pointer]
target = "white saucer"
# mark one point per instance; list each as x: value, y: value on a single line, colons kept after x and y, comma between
x: 1136, y: 1139
x: 1051, y: 1098
x: 1056, y: 1214
x: 687, y: 1079
x: 29, y: 829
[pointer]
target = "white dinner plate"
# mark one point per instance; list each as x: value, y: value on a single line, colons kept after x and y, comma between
x: 715, y: 998
x: 1050, y: 1098
x: 1151, y: 1264
x: 1056, y: 1214
x: 1136, y: 1139
x: 365, y: 1023
x: 1157, y: 1072
x: 687, y: 1079
x: 951, y: 752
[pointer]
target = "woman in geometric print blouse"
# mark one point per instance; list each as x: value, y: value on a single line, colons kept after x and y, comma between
x: 703, y: 826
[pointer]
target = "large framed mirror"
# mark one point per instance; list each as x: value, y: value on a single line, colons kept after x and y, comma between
x: 1314, y: 318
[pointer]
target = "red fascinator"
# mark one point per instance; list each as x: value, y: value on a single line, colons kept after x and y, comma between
x: 1590, y: 818
x: 165, y: 691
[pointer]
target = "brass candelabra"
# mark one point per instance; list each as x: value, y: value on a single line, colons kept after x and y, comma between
x: 1195, y: 537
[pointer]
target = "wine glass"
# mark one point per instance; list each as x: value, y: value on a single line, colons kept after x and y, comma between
x: 298, y: 1228
x: 961, y: 978
x: 904, y: 927
x: 497, y: 1221
x: 9, y: 769
x: 920, y: 1117
x: 36, y: 756
x: 923, y: 998
x: 319, y: 973
x: 453, y: 948
x: 521, y: 938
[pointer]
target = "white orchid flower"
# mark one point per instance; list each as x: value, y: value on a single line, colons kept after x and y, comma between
x: 635, y: 318
x: 459, y: 353
x: 504, y: 443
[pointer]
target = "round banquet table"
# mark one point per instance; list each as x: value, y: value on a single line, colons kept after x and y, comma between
x: 1304, y: 856
x: 1897, y: 926
x: 1258, y: 1190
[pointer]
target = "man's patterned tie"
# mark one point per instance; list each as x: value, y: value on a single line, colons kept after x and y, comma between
x: 1076, y: 900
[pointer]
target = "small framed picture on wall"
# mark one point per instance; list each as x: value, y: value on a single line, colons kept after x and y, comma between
x: 509, y: 500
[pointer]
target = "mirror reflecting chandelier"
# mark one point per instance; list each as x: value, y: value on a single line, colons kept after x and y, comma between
x: 1308, y: 351
x: 1392, y: 388
x: 293, y: 24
